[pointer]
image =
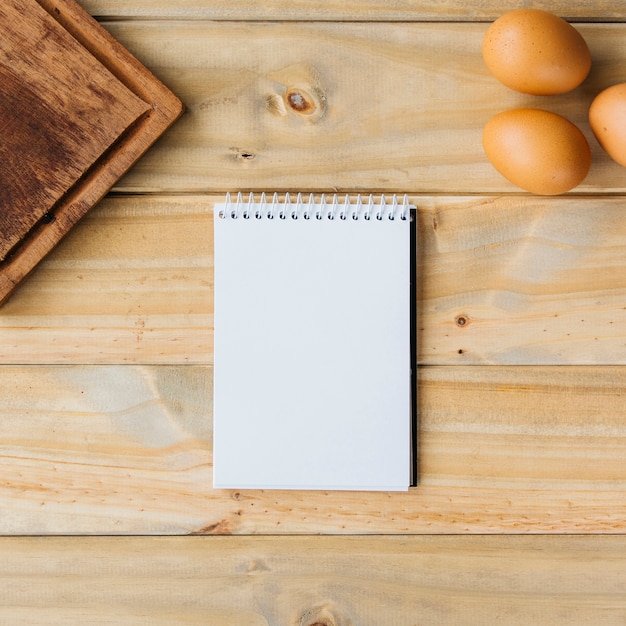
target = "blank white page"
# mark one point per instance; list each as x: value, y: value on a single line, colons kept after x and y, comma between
x: 312, y: 384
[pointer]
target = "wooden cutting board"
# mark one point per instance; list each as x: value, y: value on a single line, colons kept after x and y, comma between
x: 76, y: 111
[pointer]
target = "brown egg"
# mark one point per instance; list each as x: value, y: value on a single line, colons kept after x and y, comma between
x: 537, y: 150
x: 607, y: 117
x: 536, y: 52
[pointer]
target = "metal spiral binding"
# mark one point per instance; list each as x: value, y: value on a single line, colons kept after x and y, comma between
x: 345, y: 208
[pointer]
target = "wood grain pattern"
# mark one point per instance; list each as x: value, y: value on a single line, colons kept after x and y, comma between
x: 78, y: 111
x: 503, y: 280
x: 56, y: 122
x: 395, y: 107
x: 519, y: 280
x: 351, y: 10
x: 508, y: 451
x: 326, y: 581
x: 127, y: 449
x: 133, y: 283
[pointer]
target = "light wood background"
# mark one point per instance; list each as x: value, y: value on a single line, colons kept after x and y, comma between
x: 106, y: 350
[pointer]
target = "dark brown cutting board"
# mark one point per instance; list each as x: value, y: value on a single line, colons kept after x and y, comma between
x: 76, y: 111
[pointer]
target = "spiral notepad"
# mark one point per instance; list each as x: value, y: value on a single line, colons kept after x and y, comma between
x: 312, y: 384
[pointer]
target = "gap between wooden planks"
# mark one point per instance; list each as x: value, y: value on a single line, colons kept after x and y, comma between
x: 502, y: 280
x: 128, y: 450
x: 385, y: 581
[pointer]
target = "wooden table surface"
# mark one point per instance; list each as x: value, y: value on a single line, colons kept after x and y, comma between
x: 106, y: 350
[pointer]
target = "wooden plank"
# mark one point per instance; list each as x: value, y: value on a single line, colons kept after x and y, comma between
x: 503, y: 280
x: 314, y: 581
x: 127, y: 449
x: 513, y: 280
x: 68, y: 134
x: 104, y: 449
x: 351, y: 10
x: 133, y: 283
x: 393, y: 107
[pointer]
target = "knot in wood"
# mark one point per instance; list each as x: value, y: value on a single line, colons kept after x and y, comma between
x: 300, y: 101
x: 461, y: 320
